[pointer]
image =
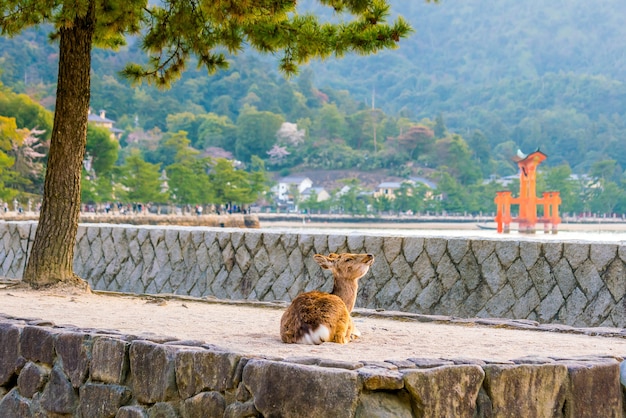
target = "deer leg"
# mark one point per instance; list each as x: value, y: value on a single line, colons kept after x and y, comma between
x: 353, y: 332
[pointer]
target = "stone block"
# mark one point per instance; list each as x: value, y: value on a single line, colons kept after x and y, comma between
x: 31, y: 379
x: 446, y: 391
x: 423, y: 269
x: 355, y: 243
x: 392, y: 247
x: 576, y: 253
x: 337, y: 243
x: 152, y: 372
x: 429, y: 297
x: 376, y: 378
x: 384, y: 405
x: 74, y: 350
x: 14, y: 405
x: 507, y: 252
x: 564, y: 277
x: 373, y: 244
x: 594, y: 390
x: 589, y: 279
x: 602, y: 254
x: 204, y: 404
x: 526, y: 390
x: 518, y: 278
x: 553, y: 252
x: 493, y: 273
x: 408, y: 294
x: 132, y: 411
x: 100, y: 400
x: 526, y: 304
x: 615, y: 279
x: 435, y: 248
x: 457, y: 249
x: 242, y: 409
x: 482, y: 249
x: 321, y: 392
x: 109, y: 362
x: 58, y: 395
x: 599, y: 310
x: 388, y: 295
x: 252, y: 240
x: 470, y: 271
x: 501, y: 302
x: 202, y: 370
x: 163, y: 410
x: 447, y: 272
x: 10, y: 360
x: 453, y: 302
x: 541, y: 277
x: 37, y: 344
x: 574, y: 306
x: 550, y: 305
x: 529, y: 253
x: 412, y: 248
x: 401, y: 271
x: 477, y: 300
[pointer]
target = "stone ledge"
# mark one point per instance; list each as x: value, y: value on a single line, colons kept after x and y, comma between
x: 43, y: 370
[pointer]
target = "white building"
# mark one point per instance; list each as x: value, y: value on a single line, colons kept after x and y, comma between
x: 286, y: 185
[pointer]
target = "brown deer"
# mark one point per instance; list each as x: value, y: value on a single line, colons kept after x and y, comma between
x: 315, y: 317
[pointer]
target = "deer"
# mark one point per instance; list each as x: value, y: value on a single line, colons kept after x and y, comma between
x: 315, y: 317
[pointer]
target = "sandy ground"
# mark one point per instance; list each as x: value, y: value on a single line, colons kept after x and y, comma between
x: 253, y: 329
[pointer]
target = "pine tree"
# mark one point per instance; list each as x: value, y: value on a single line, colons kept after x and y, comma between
x: 171, y: 31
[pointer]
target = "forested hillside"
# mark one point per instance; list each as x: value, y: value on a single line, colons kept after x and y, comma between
x: 540, y: 74
x: 476, y: 81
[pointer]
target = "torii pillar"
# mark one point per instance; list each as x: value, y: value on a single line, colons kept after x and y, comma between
x: 528, y: 200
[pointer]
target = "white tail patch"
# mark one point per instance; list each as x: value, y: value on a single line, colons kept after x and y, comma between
x: 316, y: 336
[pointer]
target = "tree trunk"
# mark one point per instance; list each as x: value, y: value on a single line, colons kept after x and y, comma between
x: 52, y: 255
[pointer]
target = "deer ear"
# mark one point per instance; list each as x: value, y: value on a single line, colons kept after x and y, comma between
x: 323, y: 261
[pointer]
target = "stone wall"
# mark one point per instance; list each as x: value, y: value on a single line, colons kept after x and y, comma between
x: 54, y: 371
x: 578, y: 284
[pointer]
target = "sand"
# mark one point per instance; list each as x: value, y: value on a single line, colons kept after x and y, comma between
x: 253, y: 328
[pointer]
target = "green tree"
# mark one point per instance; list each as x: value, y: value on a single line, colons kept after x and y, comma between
x: 440, y: 129
x: 231, y: 186
x: 410, y: 197
x: 189, y: 182
x: 8, y: 134
x: 456, y: 198
x: 96, y: 189
x: 606, y: 170
x: 188, y: 177
x: 216, y: 131
x: 258, y: 179
x: 27, y: 113
x: 329, y: 123
x: 607, y: 197
x: 141, y: 180
x: 256, y: 133
x: 171, y: 32
x: 453, y: 152
x: 102, y: 148
x: 173, y: 147
x: 559, y: 179
x: 352, y: 201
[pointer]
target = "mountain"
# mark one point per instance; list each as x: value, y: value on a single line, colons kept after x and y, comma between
x: 527, y: 75
x: 540, y: 74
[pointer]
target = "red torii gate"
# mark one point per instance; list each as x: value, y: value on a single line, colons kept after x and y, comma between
x: 528, y: 200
